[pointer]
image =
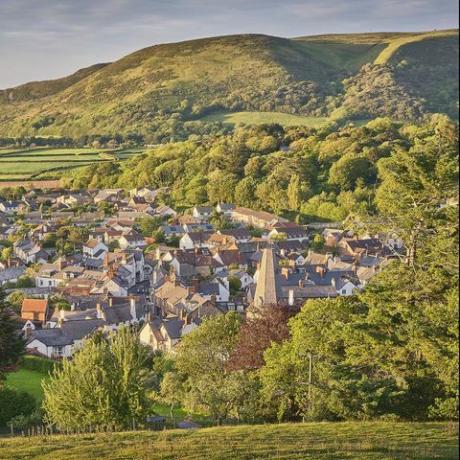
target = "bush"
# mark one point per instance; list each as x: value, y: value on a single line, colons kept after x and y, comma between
x: 35, y: 363
x: 14, y: 403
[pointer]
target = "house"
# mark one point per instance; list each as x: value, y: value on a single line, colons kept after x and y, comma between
x: 64, y: 339
x: 94, y: 248
x: 11, y: 275
x: 195, y: 240
x: 108, y: 195
x: 240, y: 235
x: 361, y: 247
x: 332, y: 236
x: 202, y: 213
x: 260, y: 219
x: 10, y: 206
x: 164, y: 334
x: 291, y: 233
x: 172, y: 230
x: 225, y: 209
x: 148, y: 194
x: 30, y: 252
x: 35, y: 310
x: 244, y: 278
x: 164, y: 211
x: 132, y: 240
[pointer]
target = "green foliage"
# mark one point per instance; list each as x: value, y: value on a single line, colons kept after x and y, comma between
x: 38, y: 364
x: 81, y: 393
x: 11, y: 343
x: 14, y: 403
x: 201, y: 364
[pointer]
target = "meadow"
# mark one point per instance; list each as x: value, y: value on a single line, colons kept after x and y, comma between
x: 320, y: 441
x: 258, y: 118
x: 46, y: 163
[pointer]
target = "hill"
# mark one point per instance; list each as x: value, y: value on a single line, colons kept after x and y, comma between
x: 366, y: 441
x: 164, y: 91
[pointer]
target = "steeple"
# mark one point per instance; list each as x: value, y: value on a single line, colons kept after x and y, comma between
x: 268, y: 289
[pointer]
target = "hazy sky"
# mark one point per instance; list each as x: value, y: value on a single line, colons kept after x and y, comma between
x: 42, y: 39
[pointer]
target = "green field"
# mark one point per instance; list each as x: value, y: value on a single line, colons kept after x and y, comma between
x: 25, y: 164
x: 319, y: 441
x: 28, y: 381
x: 258, y: 118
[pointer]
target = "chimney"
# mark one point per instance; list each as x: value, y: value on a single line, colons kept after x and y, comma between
x: 321, y: 270
x: 110, y: 299
x: 194, y: 285
x: 99, y: 313
x: 214, y: 300
x: 132, y: 308
x: 333, y: 282
x: 285, y: 272
x: 291, y: 297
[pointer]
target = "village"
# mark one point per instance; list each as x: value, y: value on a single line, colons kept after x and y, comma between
x: 105, y: 272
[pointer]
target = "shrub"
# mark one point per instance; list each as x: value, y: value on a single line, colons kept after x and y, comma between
x: 14, y: 403
x: 35, y: 363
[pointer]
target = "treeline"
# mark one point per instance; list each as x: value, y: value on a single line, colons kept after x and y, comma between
x: 322, y: 174
x: 92, y: 140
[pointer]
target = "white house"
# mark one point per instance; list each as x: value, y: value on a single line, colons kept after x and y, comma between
x: 95, y: 249
x: 202, y: 213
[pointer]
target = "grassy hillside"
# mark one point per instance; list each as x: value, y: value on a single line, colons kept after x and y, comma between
x: 164, y: 91
x: 40, y: 89
x: 359, y: 441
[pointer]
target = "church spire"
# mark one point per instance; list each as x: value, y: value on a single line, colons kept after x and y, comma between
x: 268, y: 289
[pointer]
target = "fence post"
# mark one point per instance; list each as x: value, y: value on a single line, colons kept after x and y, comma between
x: 12, y: 429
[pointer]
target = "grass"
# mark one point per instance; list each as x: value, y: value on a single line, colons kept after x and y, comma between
x: 320, y: 441
x: 23, y: 164
x: 257, y: 118
x: 28, y: 381
x: 397, y: 43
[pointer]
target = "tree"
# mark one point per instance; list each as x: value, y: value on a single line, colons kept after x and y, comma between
x: 202, y: 364
x: 294, y: 193
x: 347, y: 170
x: 11, y: 343
x: 234, y: 284
x: 81, y: 393
x: 257, y: 334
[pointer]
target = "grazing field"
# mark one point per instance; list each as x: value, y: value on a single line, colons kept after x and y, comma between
x: 319, y: 441
x: 258, y: 118
x: 45, y: 163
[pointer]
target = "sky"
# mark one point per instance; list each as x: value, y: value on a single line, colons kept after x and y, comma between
x: 43, y: 39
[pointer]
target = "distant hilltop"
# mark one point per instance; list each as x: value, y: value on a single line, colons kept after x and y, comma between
x: 340, y: 77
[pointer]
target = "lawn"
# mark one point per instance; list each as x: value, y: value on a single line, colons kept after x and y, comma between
x: 28, y: 381
x: 320, y: 441
x: 257, y: 118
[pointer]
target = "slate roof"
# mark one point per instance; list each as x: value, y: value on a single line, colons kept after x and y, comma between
x: 67, y: 333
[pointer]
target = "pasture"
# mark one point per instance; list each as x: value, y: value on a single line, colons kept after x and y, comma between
x: 46, y: 163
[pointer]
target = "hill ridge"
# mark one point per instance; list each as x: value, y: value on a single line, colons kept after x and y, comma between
x: 181, y: 83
